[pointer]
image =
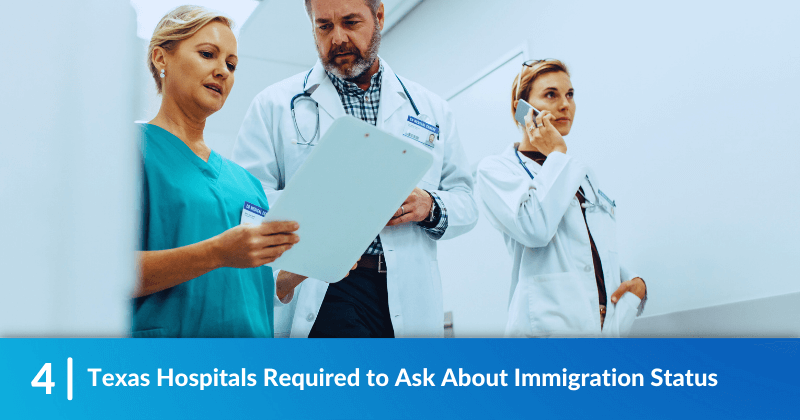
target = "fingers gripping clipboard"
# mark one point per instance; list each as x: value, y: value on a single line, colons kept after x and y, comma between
x: 349, y: 187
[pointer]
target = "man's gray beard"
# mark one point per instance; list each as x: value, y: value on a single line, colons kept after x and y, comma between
x: 361, y: 65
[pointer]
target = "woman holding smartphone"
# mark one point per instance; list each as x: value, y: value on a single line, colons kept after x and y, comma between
x: 202, y: 272
x: 558, y: 225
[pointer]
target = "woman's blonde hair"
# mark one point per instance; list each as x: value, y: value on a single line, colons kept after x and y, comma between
x: 529, y: 75
x: 179, y: 24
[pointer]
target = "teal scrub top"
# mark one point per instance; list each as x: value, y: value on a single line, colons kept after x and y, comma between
x: 186, y: 200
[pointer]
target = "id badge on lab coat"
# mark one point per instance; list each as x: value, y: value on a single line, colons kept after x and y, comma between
x: 611, y: 206
x: 252, y: 214
x: 420, y: 131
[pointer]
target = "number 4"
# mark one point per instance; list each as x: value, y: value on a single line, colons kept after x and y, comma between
x: 45, y: 370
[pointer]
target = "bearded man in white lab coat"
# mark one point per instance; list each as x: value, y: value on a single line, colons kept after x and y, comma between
x: 396, y: 290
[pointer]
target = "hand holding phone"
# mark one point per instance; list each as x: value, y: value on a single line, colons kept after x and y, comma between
x: 546, y: 138
x: 523, y: 108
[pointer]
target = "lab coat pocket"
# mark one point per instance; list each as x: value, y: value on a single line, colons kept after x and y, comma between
x: 624, y: 314
x: 557, y: 304
x: 518, y: 323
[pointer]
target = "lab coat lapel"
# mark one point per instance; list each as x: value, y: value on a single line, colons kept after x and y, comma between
x: 326, y: 95
x: 392, y: 96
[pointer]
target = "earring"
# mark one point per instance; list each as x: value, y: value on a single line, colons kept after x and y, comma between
x: 162, y: 74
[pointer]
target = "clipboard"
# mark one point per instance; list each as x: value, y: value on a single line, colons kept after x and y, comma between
x: 345, y: 192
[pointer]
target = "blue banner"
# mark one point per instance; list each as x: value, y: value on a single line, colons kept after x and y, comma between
x: 480, y: 378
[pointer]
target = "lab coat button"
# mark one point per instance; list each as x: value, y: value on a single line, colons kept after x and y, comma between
x: 310, y: 317
x: 574, y: 202
x: 588, y: 268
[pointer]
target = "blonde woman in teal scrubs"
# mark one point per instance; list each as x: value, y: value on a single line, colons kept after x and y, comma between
x: 202, y: 274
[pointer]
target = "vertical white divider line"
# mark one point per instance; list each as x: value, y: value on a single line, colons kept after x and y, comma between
x: 69, y: 378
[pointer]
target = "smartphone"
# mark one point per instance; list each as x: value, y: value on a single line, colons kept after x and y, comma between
x: 522, y: 110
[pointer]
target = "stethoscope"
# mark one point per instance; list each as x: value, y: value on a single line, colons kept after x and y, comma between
x: 586, y: 204
x: 306, y: 94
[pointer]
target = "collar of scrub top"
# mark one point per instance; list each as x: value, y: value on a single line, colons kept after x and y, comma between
x: 584, y: 205
x: 324, y: 95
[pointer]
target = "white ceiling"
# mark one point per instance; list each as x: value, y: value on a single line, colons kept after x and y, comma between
x: 150, y: 12
x: 279, y: 30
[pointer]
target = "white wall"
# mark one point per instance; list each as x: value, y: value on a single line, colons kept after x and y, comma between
x: 68, y: 169
x: 685, y: 111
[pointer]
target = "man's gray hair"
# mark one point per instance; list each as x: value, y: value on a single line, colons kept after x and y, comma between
x: 374, y: 5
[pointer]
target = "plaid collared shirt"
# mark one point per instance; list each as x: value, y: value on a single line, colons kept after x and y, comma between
x: 363, y: 104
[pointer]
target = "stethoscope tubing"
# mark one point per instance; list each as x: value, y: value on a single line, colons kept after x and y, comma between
x: 591, y: 203
x: 306, y: 94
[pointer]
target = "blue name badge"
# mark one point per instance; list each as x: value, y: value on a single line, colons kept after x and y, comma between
x: 610, y: 210
x: 420, y: 131
x: 252, y: 214
x: 610, y: 201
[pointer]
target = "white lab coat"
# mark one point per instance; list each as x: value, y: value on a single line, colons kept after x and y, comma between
x: 553, y: 286
x: 264, y: 147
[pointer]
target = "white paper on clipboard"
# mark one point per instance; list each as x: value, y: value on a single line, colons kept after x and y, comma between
x: 345, y: 192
